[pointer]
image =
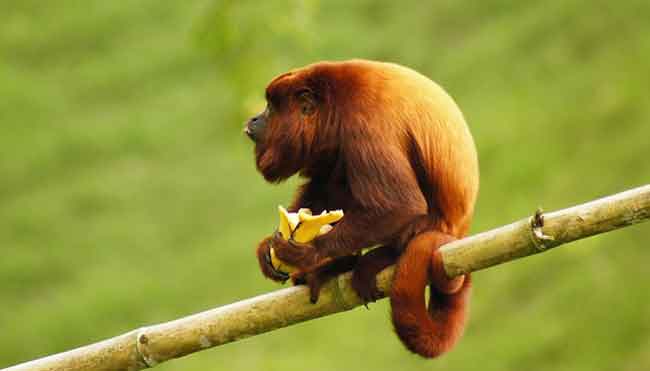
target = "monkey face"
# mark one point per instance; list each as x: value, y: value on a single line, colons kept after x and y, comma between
x: 285, y: 132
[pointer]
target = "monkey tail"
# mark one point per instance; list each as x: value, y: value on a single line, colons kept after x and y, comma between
x: 433, y: 331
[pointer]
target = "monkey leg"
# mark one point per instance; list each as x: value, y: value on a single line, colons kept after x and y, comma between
x: 364, y: 276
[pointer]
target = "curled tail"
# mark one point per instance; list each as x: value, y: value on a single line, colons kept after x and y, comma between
x: 433, y: 331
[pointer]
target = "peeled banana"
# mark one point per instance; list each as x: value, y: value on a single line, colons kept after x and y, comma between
x: 302, y: 227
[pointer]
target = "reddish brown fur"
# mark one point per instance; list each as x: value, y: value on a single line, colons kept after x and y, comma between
x: 390, y: 148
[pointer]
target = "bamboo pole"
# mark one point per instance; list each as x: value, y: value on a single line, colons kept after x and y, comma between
x: 151, y: 345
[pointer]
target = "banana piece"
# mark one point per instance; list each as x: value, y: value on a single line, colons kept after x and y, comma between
x: 288, y: 222
x: 302, y: 227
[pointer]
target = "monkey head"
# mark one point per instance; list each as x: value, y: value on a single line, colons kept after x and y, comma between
x: 296, y: 129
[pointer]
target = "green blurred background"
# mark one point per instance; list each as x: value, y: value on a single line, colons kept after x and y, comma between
x: 128, y: 195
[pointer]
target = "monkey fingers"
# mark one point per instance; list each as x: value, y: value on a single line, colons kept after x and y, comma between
x: 264, y: 260
x: 317, y: 277
x: 314, y: 280
x: 300, y: 255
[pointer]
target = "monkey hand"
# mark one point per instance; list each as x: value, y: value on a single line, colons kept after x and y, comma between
x: 266, y: 264
x: 328, y: 269
x: 313, y: 280
x: 302, y: 258
x: 300, y: 255
x: 291, y: 250
x: 295, y: 236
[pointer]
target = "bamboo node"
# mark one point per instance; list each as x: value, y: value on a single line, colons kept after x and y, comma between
x: 537, y: 234
x: 142, y: 340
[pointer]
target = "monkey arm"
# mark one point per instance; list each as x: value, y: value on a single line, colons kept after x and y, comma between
x: 361, y: 229
x: 374, y: 213
x: 345, y: 241
x: 356, y: 231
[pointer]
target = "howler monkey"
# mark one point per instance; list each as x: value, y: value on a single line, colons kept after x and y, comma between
x: 391, y: 149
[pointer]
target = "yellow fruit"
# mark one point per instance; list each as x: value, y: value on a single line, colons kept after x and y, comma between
x: 279, y: 265
x: 288, y: 222
x: 310, y: 226
x: 302, y: 227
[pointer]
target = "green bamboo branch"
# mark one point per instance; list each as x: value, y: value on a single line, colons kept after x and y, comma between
x: 151, y: 345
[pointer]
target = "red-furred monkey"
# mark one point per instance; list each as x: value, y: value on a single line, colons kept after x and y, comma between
x: 391, y: 149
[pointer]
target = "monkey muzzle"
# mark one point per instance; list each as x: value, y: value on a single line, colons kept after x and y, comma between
x: 255, y: 127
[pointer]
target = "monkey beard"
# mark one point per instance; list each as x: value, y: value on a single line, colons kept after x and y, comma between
x: 279, y: 161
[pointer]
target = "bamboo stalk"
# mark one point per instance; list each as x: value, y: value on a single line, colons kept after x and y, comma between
x: 152, y: 345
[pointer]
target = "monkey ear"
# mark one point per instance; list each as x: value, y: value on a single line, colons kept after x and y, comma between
x: 307, y: 101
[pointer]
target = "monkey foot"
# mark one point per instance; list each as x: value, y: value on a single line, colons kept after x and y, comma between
x: 364, y: 277
x: 366, y: 287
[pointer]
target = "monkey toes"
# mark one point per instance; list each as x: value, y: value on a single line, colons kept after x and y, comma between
x: 365, y: 285
x: 364, y: 277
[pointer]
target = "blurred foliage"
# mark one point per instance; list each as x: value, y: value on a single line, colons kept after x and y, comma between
x: 250, y: 41
x: 128, y: 195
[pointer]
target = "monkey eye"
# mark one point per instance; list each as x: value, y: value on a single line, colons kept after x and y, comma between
x: 307, y: 101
